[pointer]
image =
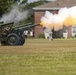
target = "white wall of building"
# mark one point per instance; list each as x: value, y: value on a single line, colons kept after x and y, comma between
x: 65, y: 34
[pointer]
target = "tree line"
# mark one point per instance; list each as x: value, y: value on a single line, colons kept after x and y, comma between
x: 5, y: 5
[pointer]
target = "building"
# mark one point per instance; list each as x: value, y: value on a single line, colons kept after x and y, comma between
x: 54, y: 8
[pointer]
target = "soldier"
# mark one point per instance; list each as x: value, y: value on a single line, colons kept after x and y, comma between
x: 5, y: 30
x: 50, y: 36
x: 25, y: 33
x: 31, y: 34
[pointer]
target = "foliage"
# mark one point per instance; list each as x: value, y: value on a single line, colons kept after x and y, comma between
x: 41, y: 35
x: 5, y: 4
x: 74, y: 36
x: 30, y: 6
x: 31, y: 12
x: 24, y: 1
x: 4, y: 7
x: 37, y: 3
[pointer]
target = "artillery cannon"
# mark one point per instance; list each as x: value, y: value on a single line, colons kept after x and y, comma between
x: 13, y: 35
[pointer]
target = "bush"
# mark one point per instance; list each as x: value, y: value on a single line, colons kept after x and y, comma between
x: 74, y: 36
x: 41, y: 36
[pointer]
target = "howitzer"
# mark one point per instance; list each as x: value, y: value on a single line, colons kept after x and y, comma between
x: 13, y: 35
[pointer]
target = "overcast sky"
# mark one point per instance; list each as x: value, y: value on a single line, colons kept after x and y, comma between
x: 29, y: 1
x: 35, y: 0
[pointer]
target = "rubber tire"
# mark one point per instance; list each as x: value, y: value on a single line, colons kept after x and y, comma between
x: 22, y: 40
x: 12, y: 36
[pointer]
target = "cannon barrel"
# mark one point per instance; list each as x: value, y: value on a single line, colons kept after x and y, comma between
x: 21, y: 25
x: 26, y: 26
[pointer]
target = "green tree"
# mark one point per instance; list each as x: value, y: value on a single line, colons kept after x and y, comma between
x: 32, y: 5
x: 5, y: 4
x: 24, y: 1
x: 37, y: 3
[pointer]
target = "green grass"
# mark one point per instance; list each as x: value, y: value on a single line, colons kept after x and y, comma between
x: 39, y: 57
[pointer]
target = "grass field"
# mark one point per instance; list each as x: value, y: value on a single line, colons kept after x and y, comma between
x: 39, y: 57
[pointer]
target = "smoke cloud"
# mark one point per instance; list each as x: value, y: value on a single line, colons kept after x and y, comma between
x: 15, y: 15
x: 65, y: 17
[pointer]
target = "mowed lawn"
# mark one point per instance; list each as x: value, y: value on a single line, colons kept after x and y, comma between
x: 39, y: 57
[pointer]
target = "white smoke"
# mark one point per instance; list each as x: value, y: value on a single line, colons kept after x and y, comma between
x: 21, y: 1
x: 56, y: 21
x: 15, y: 15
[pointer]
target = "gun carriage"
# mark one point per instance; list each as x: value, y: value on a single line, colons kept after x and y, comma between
x: 13, y: 35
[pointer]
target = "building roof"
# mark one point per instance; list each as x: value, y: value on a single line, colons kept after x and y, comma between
x: 55, y: 5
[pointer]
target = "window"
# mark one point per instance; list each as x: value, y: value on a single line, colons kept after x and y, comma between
x: 74, y: 29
